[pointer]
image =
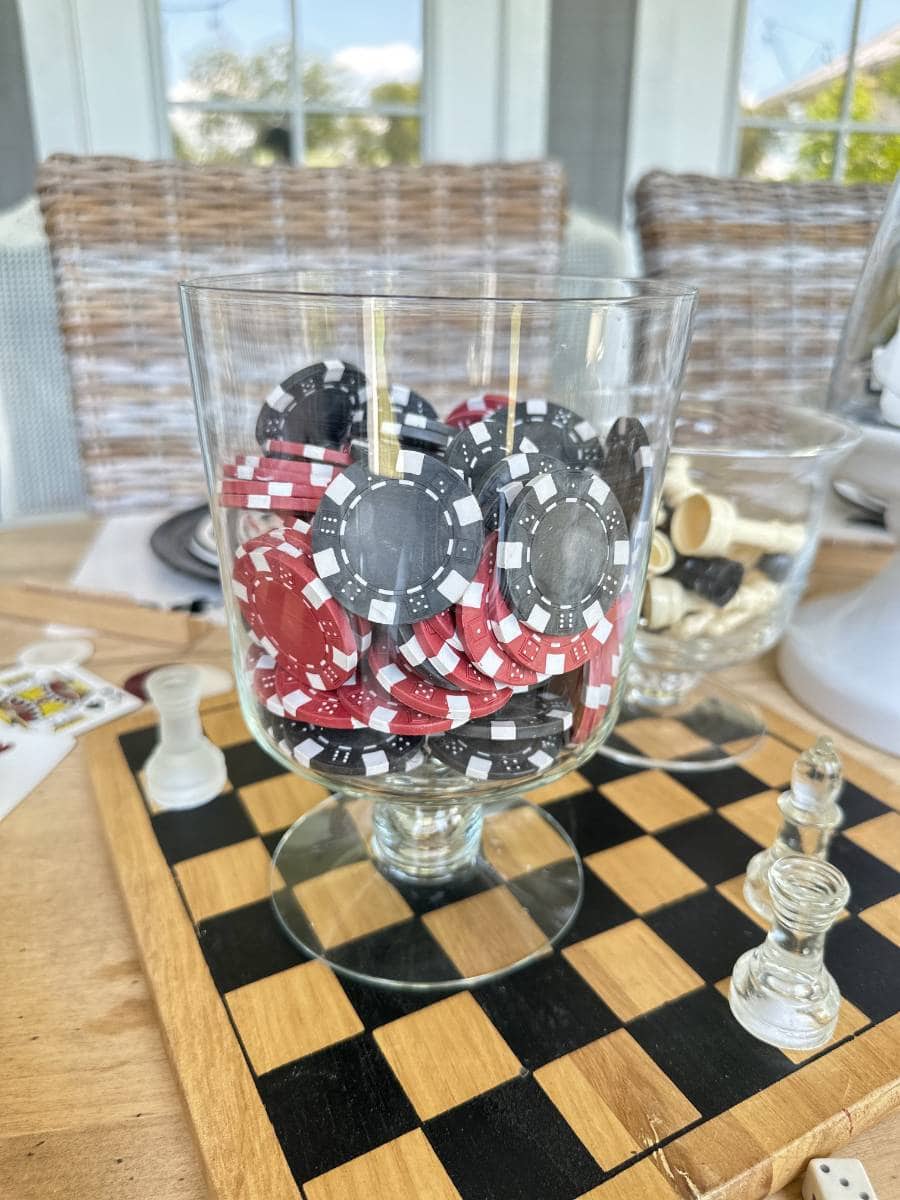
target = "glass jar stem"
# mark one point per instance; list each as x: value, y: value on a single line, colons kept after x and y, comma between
x: 426, y: 841
x: 657, y: 688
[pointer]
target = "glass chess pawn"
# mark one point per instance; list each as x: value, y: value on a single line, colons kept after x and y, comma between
x: 780, y: 990
x: 811, y: 818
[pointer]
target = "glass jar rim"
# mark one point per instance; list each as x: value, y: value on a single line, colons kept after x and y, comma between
x: 806, y: 432
x: 440, y: 285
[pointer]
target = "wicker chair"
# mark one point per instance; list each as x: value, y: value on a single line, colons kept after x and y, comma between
x: 122, y: 233
x: 776, y: 265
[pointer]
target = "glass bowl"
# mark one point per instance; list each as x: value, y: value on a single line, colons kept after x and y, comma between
x: 432, y: 496
x: 734, y: 540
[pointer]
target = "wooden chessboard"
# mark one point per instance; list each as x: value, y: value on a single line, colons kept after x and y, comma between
x: 611, y: 1068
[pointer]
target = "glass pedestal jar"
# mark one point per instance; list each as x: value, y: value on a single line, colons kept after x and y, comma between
x: 433, y: 500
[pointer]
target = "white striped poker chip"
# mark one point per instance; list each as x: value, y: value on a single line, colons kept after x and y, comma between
x: 477, y: 449
x: 273, y: 470
x: 524, y: 717
x: 313, y: 405
x: 474, y: 409
x: 273, y: 488
x: 306, y: 451
x: 503, y: 483
x: 484, y: 760
x: 418, y: 693
x: 348, y: 751
x: 553, y: 429
x: 628, y: 469
x: 398, y: 549
x: 401, y: 400
x: 565, y: 553
x: 259, y: 501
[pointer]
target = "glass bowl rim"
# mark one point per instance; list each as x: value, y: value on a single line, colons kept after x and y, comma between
x: 835, y: 435
x: 596, y: 290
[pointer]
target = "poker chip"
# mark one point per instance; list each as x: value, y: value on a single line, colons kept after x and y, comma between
x: 473, y: 627
x: 350, y: 752
x: 504, y: 481
x: 274, y: 470
x: 485, y: 760
x: 314, y: 406
x: 401, y: 399
x: 474, y: 409
x: 371, y: 705
x: 628, y: 468
x: 525, y: 717
x: 403, y: 684
x: 272, y: 488
x: 428, y: 673
x: 415, y: 430
x: 264, y: 681
x: 477, y: 449
x: 555, y: 430
x: 302, y: 703
x: 435, y: 641
x: 598, y: 676
x: 307, y: 451
x: 362, y: 631
x: 262, y: 501
x: 565, y: 553
x: 397, y: 550
x: 295, y: 617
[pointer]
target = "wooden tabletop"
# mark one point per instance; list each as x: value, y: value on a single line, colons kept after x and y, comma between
x: 89, y: 1106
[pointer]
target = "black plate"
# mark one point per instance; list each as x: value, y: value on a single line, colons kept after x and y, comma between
x: 171, y: 542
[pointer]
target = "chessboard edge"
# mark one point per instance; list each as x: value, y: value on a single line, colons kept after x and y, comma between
x: 234, y: 1137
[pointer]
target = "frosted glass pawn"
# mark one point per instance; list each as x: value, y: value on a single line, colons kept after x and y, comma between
x: 811, y: 817
x: 780, y: 991
x: 185, y: 769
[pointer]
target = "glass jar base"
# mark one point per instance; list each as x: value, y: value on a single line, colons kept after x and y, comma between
x: 708, y: 728
x: 339, y: 901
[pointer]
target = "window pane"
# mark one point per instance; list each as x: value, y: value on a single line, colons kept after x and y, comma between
x: 876, y: 91
x: 357, y: 54
x: 372, y: 141
x: 795, y: 59
x: 226, y: 49
x: 773, y: 154
x: 872, y: 157
x: 225, y: 137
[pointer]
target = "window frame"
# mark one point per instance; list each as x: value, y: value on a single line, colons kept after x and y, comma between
x: 294, y: 107
x: 843, y: 127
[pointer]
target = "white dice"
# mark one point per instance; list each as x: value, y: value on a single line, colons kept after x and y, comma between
x: 837, y: 1179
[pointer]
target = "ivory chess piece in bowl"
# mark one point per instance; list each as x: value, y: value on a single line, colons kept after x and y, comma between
x: 735, y: 537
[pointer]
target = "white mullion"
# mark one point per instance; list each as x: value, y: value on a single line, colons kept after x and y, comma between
x: 737, y: 66
x: 298, y: 112
x: 783, y: 125
x: 840, y: 149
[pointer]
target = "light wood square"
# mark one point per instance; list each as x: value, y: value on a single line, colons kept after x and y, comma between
x: 485, y: 932
x: 632, y: 969
x: 296, y: 1012
x: 885, y: 918
x: 644, y: 873
x: 226, y: 727
x: 850, y: 1019
x: 733, y: 891
x: 758, y: 816
x: 521, y: 839
x: 879, y: 837
x: 643, y: 1181
x: 662, y: 737
x: 654, y: 800
x: 350, y: 902
x: 572, y: 784
x: 772, y: 762
x: 405, y: 1169
x: 446, y: 1053
x: 278, y: 802
x: 224, y: 879
x: 615, y: 1097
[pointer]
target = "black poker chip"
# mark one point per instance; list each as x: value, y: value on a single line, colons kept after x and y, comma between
x: 315, y: 405
x: 415, y: 430
x: 564, y: 556
x: 398, y: 549
x: 525, y: 717
x: 477, y: 449
x: 482, y: 759
x: 552, y: 428
x: 503, y: 483
x: 402, y: 400
x: 628, y: 468
x: 346, y: 751
x: 715, y: 579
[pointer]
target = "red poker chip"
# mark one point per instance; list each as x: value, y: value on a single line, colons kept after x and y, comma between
x: 264, y: 684
x: 341, y: 458
x: 281, y: 487
x: 250, y: 466
x: 296, y: 618
x: 374, y: 707
x: 410, y: 689
x: 474, y: 409
x: 282, y: 504
x: 362, y: 630
x: 435, y: 640
x: 598, y: 676
x: 303, y: 703
x: 476, y: 635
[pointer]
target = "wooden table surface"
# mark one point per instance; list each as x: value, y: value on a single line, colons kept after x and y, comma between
x: 89, y: 1106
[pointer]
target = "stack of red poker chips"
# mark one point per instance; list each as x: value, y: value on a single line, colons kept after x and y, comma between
x: 475, y: 409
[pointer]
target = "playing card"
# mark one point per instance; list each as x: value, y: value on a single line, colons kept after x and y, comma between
x: 26, y: 757
x: 51, y: 699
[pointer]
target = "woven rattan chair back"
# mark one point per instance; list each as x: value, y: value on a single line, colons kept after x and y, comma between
x: 776, y: 265
x: 122, y: 233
